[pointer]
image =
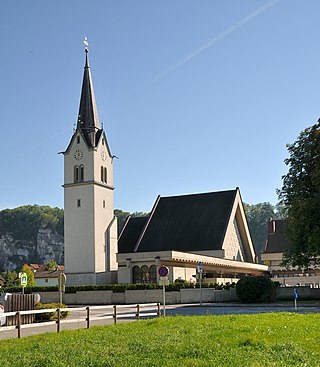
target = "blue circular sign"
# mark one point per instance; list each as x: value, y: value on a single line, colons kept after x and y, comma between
x: 163, y: 271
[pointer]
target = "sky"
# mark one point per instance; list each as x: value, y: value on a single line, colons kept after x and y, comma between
x: 194, y: 95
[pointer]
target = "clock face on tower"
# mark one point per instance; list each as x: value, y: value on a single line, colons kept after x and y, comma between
x: 78, y: 154
x: 103, y: 156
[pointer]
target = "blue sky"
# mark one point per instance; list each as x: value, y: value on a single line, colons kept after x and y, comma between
x: 195, y: 95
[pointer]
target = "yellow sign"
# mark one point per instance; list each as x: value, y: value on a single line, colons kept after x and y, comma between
x: 23, y: 279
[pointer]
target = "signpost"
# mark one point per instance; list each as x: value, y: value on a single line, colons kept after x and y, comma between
x: 163, y: 271
x: 62, y: 285
x: 200, y: 269
x: 23, y: 281
x: 295, y: 293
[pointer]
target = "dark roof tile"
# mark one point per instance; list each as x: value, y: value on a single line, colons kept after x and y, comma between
x: 278, y: 240
x: 131, y: 234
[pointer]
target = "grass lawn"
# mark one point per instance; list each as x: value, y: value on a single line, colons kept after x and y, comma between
x: 278, y: 339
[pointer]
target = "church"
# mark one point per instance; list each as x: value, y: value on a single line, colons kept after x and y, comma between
x: 180, y: 231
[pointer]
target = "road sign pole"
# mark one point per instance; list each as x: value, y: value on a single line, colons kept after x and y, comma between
x: 164, y: 299
x: 163, y: 272
x: 200, y: 279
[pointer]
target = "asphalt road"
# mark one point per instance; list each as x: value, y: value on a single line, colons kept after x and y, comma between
x: 171, y: 310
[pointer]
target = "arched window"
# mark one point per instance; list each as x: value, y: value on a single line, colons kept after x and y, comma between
x: 136, y: 274
x: 81, y: 173
x: 105, y: 175
x: 101, y: 174
x: 153, y: 274
x: 78, y: 139
x: 145, y: 274
x: 76, y: 174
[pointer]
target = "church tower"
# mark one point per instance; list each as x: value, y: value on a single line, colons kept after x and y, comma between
x: 90, y: 227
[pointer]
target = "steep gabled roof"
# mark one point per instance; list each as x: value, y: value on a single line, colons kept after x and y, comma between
x: 182, y: 223
x: 278, y: 241
x: 131, y: 233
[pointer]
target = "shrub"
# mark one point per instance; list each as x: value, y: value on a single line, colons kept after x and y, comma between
x: 50, y: 316
x: 256, y: 289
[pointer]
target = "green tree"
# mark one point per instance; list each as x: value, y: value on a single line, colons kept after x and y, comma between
x: 257, y: 216
x: 30, y: 281
x: 10, y: 278
x: 52, y: 265
x: 24, y: 222
x: 300, y: 194
x: 123, y: 216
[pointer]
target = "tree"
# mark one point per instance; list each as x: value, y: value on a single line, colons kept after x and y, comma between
x: 30, y: 276
x: 24, y: 222
x: 300, y: 194
x: 123, y: 216
x: 257, y: 216
x: 10, y: 278
x: 52, y: 265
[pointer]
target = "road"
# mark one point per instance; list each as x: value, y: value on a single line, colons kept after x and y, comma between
x: 171, y: 310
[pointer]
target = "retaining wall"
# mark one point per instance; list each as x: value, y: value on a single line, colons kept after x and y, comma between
x: 139, y: 296
x: 188, y: 295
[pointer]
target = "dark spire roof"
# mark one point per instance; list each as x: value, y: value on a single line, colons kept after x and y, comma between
x: 88, y: 120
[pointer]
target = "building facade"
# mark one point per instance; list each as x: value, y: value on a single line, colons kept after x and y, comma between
x: 277, y: 243
x: 90, y: 227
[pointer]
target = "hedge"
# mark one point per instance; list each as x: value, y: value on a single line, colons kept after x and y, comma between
x: 117, y: 288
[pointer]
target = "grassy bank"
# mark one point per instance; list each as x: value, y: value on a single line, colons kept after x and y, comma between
x: 282, y: 339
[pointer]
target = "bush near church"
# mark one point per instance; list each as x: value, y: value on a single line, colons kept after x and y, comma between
x: 50, y: 316
x: 252, y: 289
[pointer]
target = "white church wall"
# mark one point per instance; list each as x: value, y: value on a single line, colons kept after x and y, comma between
x: 79, y: 236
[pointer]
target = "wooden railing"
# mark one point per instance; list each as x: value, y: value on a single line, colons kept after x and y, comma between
x: 116, y: 313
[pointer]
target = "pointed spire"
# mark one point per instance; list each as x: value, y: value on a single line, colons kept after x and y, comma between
x: 88, y: 120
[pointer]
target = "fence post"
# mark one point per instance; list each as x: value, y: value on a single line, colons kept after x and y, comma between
x: 115, y: 314
x: 88, y: 317
x: 58, y: 321
x: 158, y: 312
x: 18, y: 317
x: 138, y: 312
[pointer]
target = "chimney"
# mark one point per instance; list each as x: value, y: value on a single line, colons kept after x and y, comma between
x: 271, y: 226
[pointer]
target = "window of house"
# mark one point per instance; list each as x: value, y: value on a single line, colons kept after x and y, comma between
x: 101, y: 173
x: 105, y: 175
x: 78, y: 203
x: 78, y: 139
x: 81, y: 172
x: 76, y: 174
x: 102, y: 141
x: 104, y: 203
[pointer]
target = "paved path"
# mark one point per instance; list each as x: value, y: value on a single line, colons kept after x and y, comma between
x: 171, y: 310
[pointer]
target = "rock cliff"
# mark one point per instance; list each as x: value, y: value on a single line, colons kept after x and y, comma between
x: 14, y: 253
